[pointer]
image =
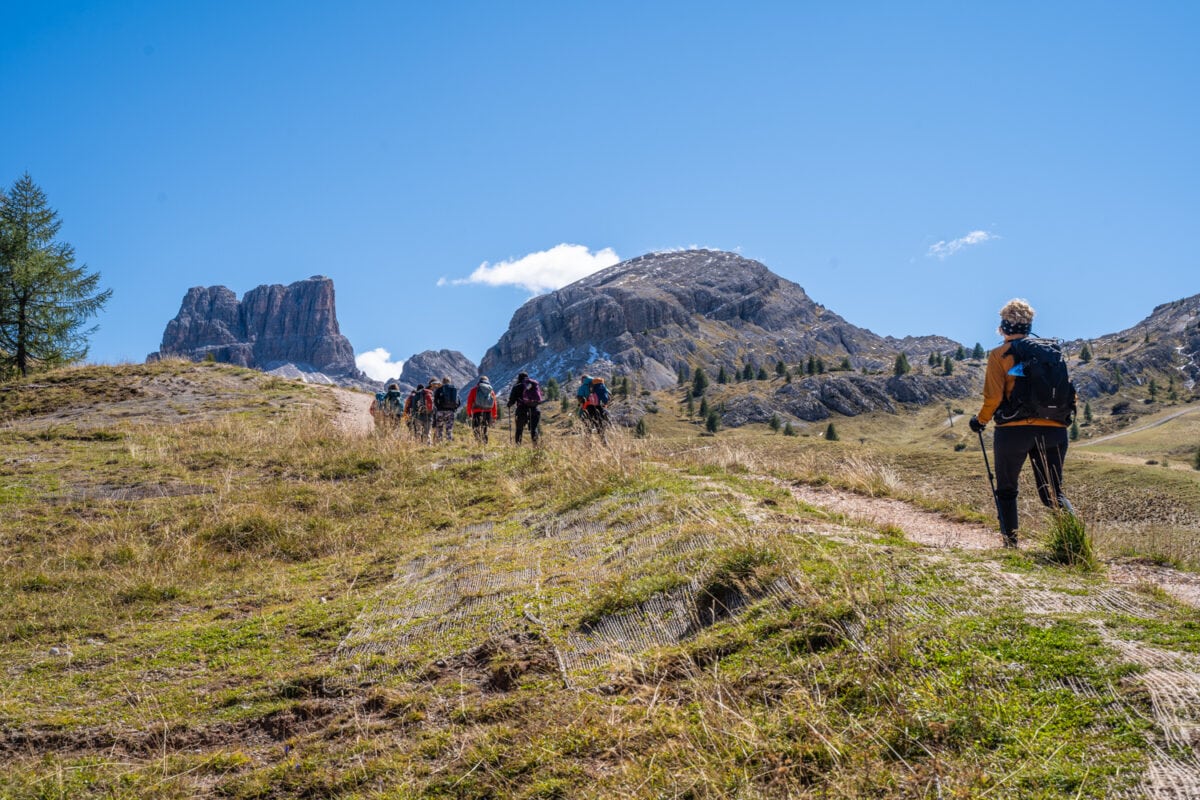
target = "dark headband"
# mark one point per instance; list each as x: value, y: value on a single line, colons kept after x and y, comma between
x: 1010, y: 328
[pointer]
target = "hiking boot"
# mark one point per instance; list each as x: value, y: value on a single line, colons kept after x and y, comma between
x: 1010, y: 539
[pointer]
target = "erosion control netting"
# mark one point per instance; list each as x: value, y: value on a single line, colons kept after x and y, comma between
x: 487, y: 582
x: 522, y: 587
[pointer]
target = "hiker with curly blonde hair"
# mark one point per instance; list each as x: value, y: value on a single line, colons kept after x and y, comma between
x: 1030, y: 424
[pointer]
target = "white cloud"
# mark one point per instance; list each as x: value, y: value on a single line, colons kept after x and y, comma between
x: 543, y: 271
x: 944, y: 249
x: 378, y: 364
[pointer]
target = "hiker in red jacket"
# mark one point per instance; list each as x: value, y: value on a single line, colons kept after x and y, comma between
x: 482, y: 407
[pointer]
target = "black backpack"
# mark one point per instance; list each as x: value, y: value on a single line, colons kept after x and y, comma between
x: 1043, y: 390
x: 446, y: 398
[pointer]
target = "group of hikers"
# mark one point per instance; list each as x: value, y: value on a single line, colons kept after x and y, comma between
x: 429, y: 411
x: 1026, y: 391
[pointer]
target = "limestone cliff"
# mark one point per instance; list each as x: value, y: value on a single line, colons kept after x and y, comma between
x: 289, y: 329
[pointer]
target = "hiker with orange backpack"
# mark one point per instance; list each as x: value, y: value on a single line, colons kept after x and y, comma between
x: 1027, y: 391
x: 527, y: 395
x: 420, y: 412
x: 482, y: 408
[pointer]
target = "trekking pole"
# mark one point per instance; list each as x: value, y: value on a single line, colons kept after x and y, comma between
x: 991, y: 482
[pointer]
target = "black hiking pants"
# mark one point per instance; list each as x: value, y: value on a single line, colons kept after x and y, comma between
x: 1045, y: 447
x: 596, y: 418
x: 531, y: 416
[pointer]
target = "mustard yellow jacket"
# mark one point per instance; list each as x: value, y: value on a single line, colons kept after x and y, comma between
x: 998, y: 384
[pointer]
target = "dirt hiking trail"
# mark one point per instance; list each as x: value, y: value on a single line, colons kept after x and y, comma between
x: 353, y: 414
x: 934, y: 530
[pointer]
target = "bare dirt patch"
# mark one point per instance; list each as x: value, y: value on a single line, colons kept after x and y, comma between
x: 353, y: 412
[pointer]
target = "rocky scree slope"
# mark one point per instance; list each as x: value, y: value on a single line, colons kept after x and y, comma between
x: 1166, y: 342
x: 291, y: 331
x: 655, y: 315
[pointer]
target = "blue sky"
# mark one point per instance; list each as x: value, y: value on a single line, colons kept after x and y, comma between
x: 912, y: 166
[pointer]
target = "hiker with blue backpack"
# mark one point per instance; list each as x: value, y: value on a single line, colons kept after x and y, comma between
x: 527, y: 395
x: 446, y: 404
x: 592, y: 397
x: 482, y: 408
x: 388, y: 408
x: 1027, y: 391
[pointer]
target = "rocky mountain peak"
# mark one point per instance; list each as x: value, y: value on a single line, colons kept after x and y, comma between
x: 1167, y: 342
x: 420, y: 367
x: 657, y: 314
x: 292, y: 330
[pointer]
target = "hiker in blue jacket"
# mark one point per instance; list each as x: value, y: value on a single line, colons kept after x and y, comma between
x: 592, y: 396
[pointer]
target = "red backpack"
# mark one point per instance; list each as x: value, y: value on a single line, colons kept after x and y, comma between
x: 422, y: 402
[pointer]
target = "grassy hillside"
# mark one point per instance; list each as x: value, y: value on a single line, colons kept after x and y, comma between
x: 212, y: 591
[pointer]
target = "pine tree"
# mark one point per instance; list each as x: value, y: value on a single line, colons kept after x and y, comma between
x: 691, y: 405
x: 699, y: 382
x: 1196, y: 459
x: 45, y: 299
x: 831, y: 433
x: 845, y: 365
x: 1074, y: 431
x: 722, y: 376
x: 780, y: 368
x: 1085, y: 355
x: 960, y: 354
x: 712, y: 422
x: 820, y: 366
x: 748, y: 372
x: 788, y: 430
x: 552, y: 391
x: 774, y: 423
x: 978, y: 353
x: 640, y: 429
x: 902, y: 367
x: 1087, y: 413
x: 947, y: 367
x: 762, y: 374
x: 704, y: 407
x: 565, y: 403
x: 683, y: 374
x: 1153, y: 389
x: 811, y: 369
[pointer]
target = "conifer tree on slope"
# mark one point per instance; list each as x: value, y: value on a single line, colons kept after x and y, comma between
x: 45, y: 299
